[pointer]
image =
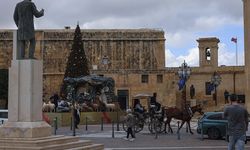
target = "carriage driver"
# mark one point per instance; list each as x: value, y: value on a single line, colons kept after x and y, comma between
x: 138, y: 108
x: 155, y: 103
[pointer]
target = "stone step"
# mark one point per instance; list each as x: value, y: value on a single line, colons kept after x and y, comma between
x: 27, y: 142
x: 64, y: 146
x: 57, y: 147
x: 89, y: 147
x: 60, y: 140
x: 51, y: 142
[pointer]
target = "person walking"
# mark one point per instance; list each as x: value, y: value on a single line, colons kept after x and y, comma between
x: 130, y: 122
x: 237, y: 117
x: 76, y: 116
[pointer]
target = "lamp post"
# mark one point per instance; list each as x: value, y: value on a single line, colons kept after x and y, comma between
x: 184, y: 72
x: 215, y: 80
x: 105, y: 61
x: 71, y: 96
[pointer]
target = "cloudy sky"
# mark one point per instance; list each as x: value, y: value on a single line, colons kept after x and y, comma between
x: 183, y: 21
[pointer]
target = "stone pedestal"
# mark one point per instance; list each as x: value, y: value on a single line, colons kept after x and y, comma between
x: 193, y: 102
x: 25, y: 101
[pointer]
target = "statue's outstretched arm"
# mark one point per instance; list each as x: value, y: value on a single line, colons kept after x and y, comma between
x: 37, y: 13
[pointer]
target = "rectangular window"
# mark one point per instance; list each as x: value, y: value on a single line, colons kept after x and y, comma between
x: 159, y: 78
x: 208, y: 88
x: 144, y: 79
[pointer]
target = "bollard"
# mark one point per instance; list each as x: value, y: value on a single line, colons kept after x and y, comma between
x: 178, y: 131
x: 187, y: 127
x: 155, y: 128
x: 101, y: 123
x: 118, y: 125
x: 86, y: 127
x: 71, y: 123
x: 113, y: 130
x: 156, y: 133
x: 54, y: 126
x: 2, y: 121
x: 117, y: 121
x: 202, y: 136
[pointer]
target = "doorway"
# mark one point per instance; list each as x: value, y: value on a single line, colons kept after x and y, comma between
x: 123, y: 98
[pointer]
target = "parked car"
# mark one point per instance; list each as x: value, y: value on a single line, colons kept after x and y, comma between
x: 3, y: 115
x: 213, y: 124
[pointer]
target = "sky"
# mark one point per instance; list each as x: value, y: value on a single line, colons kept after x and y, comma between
x: 183, y: 21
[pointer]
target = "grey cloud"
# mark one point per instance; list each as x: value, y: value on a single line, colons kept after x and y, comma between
x: 172, y: 15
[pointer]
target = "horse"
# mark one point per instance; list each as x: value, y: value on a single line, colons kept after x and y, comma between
x: 184, y: 116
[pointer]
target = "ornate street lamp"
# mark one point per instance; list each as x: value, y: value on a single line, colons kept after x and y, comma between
x: 184, y: 72
x: 215, y: 81
x: 105, y: 61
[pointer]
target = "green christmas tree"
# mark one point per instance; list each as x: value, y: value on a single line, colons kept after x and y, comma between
x: 77, y: 65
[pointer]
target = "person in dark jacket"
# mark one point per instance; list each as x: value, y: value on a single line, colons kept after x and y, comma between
x: 55, y: 99
x: 77, y: 117
x: 24, y: 19
x: 237, y: 117
x: 154, y: 102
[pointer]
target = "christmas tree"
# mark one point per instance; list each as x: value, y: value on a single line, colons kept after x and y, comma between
x: 77, y: 65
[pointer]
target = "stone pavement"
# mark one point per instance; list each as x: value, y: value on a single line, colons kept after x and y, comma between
x: 145, y: 140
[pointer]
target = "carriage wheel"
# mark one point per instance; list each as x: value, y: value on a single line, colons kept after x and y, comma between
x: 138, y: 126
x: 155, y: 125
x: 150, y: 128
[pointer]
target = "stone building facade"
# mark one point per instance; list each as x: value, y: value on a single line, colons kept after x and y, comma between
x: 136, y: 61
x: 246, y: 11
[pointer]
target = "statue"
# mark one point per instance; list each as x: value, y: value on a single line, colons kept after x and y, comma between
x: 24, y: 20
x: 192, y: 91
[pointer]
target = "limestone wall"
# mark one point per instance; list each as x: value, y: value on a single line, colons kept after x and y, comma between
x: 131, y: 53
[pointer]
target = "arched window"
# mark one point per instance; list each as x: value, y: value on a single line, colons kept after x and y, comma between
x: 208, y: 54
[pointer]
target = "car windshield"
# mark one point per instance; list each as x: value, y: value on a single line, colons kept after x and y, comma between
x: 203, y: 116
x: 216, y: 116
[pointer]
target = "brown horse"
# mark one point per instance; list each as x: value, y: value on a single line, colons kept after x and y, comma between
x: 184, y: 116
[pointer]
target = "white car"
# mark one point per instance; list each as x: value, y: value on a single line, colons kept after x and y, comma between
x: 3, y: 115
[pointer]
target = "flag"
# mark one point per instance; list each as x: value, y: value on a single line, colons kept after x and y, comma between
x: 233, y: 39
x: 181, y: 83
x: 211, y: 87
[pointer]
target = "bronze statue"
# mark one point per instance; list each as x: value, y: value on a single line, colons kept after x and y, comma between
x: 192, y: 91
x: 24, y: 19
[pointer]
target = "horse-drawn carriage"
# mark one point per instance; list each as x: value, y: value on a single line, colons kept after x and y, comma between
x: 158, y: 121
x: 149, y: 116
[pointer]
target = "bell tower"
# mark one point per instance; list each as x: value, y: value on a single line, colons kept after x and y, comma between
x: 208, y: 52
